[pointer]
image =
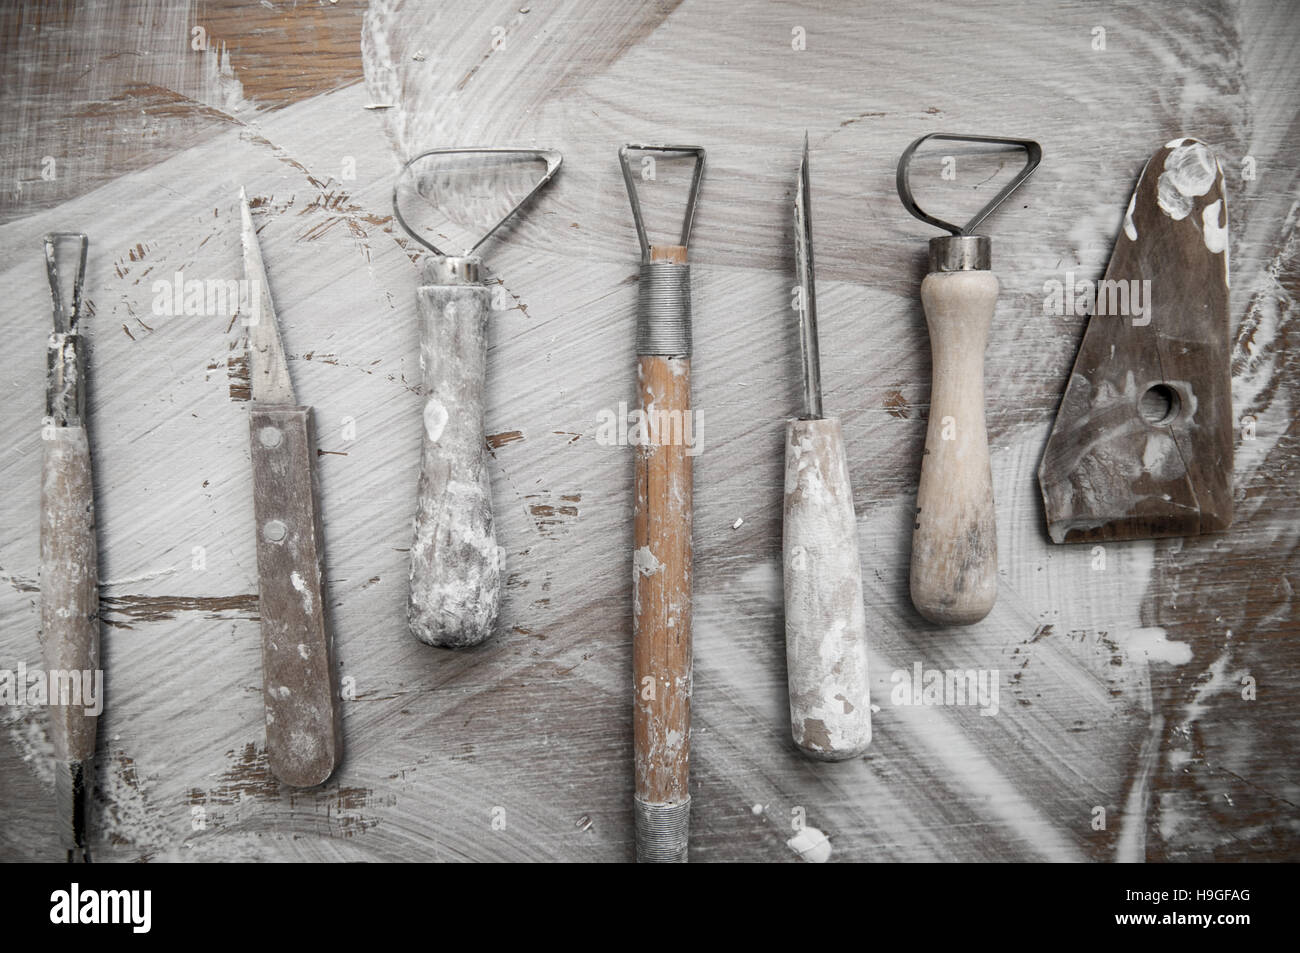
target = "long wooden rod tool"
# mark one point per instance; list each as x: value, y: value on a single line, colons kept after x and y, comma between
x: 456, y: 564
x: 661, y: 560
x: 825, y: 622
x: 69, y: 574
x: 954, y: 541
x: 304, y: 737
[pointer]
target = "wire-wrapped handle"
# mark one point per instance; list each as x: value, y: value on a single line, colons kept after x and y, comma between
x: 661, y: 564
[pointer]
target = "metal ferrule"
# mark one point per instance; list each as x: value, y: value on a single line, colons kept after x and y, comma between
x: 961, y: 253
x: 73, y: 781
x: 451, y: 270
x: 663, y: 311
x: 662, y: 832
x: 65, y: 380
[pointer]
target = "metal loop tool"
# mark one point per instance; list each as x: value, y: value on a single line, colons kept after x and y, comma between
x: 663, y: 325
x: 65, y: 390
x: 689, y: 218
x: 1033, y: 150
x: 954, y: 575
x: 69, y: 571
x: 456, y: 565
x: 549, y: 156
x: 662, y: 516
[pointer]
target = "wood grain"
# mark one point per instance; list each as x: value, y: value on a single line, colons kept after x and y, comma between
x: 1121, y: 687
x: 661, y: 584
x: 954, y: 574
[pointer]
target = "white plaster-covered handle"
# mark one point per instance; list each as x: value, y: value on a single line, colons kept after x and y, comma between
x: 825, y: 623
x: 69, y: 583
x: 954, y: 544
x: 455, y: 561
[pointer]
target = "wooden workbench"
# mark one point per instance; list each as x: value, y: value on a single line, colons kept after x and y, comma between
x: 1121, y: 689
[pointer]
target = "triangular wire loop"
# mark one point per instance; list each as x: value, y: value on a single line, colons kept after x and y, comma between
x: 551, y: 156
x: 691, y: 200
x: 1033, y: 151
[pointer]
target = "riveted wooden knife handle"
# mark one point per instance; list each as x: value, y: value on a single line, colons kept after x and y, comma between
x: 69, y: 581
x: 954, y: 543
x: 304, y: 739
x: 825, y: 622
x: 456, y: 564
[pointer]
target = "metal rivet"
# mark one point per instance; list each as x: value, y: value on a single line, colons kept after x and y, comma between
x: 274, y: 531
x: 270, y: 436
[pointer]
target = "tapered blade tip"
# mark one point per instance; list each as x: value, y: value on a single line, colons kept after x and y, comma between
x: 803, y: 173
x: 245, y: 214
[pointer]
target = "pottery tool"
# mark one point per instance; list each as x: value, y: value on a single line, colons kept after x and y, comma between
x: 456, y: 564
x: 661, y: 560
x: 69, y: 574
x: 825, y: 623
x: 1142, y: 444
x: 304, y: 738
x: 954, y: 540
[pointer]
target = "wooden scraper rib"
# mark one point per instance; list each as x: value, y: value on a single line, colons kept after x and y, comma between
x: 1142, y: 444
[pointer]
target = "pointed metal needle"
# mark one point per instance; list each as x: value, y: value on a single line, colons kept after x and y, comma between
x: 268, y: 368
x: 812, y: 373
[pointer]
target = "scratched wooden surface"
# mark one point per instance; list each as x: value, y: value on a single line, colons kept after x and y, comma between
x: 1120, y: 689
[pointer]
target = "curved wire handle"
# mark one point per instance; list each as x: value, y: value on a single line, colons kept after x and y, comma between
x: 551, y: 157
x: 1032, y: 149
x: 630, y: 182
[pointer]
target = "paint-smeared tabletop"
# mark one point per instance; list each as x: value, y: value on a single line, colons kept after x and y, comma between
x: 1138, y: 702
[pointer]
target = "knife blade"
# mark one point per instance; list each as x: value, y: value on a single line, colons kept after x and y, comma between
x: 304, y: 740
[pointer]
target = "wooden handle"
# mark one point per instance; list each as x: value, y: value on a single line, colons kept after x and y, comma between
x: 70, y: 587
x: 955, y: 545
x: 456, y: 564
x: 304, y: 739
x: 661, y: 610
x: 825, y: 623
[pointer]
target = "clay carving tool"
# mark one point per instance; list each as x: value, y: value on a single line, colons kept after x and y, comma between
x: 69, y: 574
x: 825, y: 622
x: 662, y: 514
x: 456, y: 564
x: 954, y: 578
x: 304, y: 738
x: 1142, y: 444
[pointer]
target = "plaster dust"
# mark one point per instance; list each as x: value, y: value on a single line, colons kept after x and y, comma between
x: 811, y: 845
x: 1189, y: 172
